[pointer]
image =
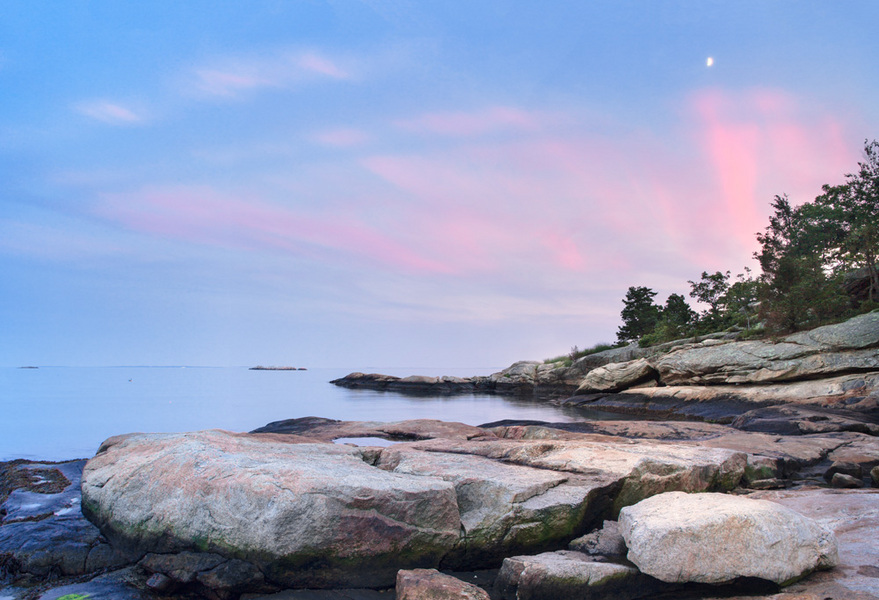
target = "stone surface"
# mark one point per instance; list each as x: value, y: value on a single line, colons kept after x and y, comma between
x: 852, y: 394
x: 874, y: 475
x: 566, y: 575
x: 841, y: 480
x: 821, y: 352
x: 504, y: 508
x: 45, y: 534
x: 846, y: 468
x: 607, y: 541
x: 343, y: 594
x: 307, y: 515
x: 617, y: 376
x: 116, y: 585
x: 430, y: 584
x: 854, y: 517
x: 791, y: 419
x: 717, y: 538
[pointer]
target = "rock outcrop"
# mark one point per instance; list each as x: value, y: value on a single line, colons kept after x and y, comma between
x: 309, y: 514
x: 205, y: 513
x: 718, y: 538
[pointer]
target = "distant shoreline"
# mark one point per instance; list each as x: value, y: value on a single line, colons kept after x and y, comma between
x: 262, y: 368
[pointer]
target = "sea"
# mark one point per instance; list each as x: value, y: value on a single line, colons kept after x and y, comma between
x: 62, y: 413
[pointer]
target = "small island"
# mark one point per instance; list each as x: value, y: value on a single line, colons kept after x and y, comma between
x: 262, y: 368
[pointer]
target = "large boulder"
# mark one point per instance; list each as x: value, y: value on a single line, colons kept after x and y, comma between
x: 617, y: 376
x: 305, y: 514
x: 717, y: 538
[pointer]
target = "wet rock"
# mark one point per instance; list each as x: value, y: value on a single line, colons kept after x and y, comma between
x: 800, y: 420
x: 853, y: 470
x: 716, y: 538
x: 230, y: 578
x: 342, y: 594
x: 430, y: 584
x: 841, y: 480
x: 112, y: 586
x: 183, y: 567
x: 160, y: 583
x: 607, y: 541
x: 566, y: 575
x: 45, y: 534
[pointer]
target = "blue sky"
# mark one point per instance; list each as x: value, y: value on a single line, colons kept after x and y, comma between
x: 397, y: 183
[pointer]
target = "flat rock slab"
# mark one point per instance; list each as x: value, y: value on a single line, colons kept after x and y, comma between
x: 566, y: 575
x: 717, y: 538
x: 430, y: 584
x: 854, y: 517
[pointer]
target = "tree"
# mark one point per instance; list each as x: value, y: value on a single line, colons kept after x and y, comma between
x: 711, y: 290
x: 639, y: 314
x: 677, y: 314
x: 795, y: 289
x: 849, y: 216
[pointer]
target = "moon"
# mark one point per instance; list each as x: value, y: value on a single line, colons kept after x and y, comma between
x: 709, y: 62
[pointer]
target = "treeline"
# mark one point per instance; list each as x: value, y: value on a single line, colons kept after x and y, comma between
x: 818, y: 264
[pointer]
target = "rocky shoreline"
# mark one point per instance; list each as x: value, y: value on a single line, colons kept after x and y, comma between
x: 768, y: 456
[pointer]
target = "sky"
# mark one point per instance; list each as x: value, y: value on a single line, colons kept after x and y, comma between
x: 368, y: 183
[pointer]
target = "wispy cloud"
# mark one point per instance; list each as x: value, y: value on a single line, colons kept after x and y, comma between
x: 341, y: 137
x: 233, y: 76
x: 201, y: 215
x: 462, y: 124
x: 109, y: 112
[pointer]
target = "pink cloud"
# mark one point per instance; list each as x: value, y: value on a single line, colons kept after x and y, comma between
x: 341, y: 138
x: 463, y: 124
x: 202, y: 215
x: 760, y: 143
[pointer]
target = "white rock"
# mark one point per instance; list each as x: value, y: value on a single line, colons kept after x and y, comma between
x: 716, y: 538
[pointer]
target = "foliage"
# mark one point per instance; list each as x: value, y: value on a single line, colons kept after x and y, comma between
x: 639, y: 314
x: 711, y: 290
x: 75, y: 597
x: 568, y: 359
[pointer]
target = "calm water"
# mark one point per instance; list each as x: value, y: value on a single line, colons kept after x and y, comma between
x: 57, y: 413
